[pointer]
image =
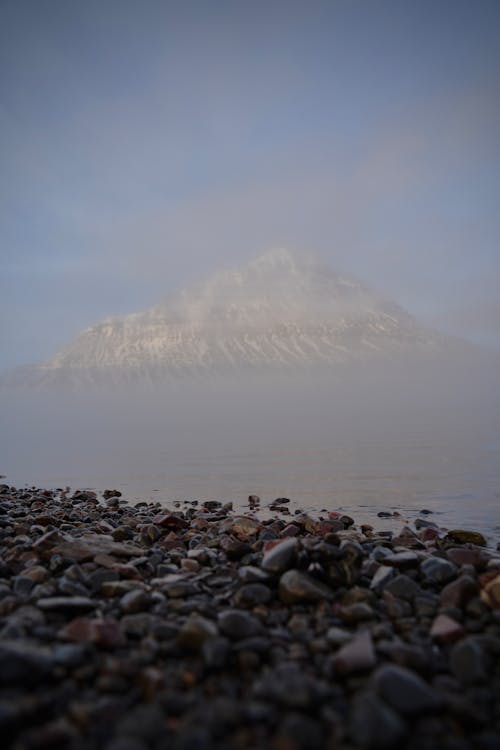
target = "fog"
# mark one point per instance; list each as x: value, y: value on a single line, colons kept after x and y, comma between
x: 407, y: 433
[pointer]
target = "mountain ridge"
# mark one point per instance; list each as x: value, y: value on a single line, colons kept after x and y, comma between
x: 278, y: 311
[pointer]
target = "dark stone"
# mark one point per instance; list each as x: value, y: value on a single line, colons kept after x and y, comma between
x: 296, y: 586
x: 468, y: 662
x: 280, y: 557
x: 252, y: 594
x: 237, y: 624
x: 23, y: 663
x: 374, y: 724
x: 403, y: 587
x: 406, y: 692
x: 438, y: 570
x: 466, y: 537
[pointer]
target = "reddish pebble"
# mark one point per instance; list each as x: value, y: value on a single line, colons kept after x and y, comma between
x: 446, y: 630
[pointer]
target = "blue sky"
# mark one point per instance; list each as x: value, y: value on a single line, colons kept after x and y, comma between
x: 145, y: 144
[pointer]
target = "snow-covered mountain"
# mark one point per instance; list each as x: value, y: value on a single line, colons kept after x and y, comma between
x: 279, y: 311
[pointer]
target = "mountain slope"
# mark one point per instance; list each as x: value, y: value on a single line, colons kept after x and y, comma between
x: 277, y: 312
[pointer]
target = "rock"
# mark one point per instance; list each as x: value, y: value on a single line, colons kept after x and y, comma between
x: 135, y: 601
x: 67, y: 604
x: 338, y: 636
x: 382, y: 576
x: 438, y: 570
x: 237, y: 624
x: 491, y: 593
x: 459, y: 592
x: 289, y: 686
x: 215, y: 652
x: 23, y: 664
x: 280, y: 558
x: 244, y: 527
x: 463, y: 555
x: 295, y: 586
x: 136, y: 625
x: 298, y: 732
x: 446, y: 630
x: 171, y: 521
x: 111, y: 493
x: 374, y: 724
x: 403, y: 587
x: 86, y: 547
x: 101, y: 632
x: 357, y: 612
x: 70, y: 655
x: 406, y: 559
x: 252, y: 594
x: 195, y: 631
x: 356, y: 656
x: 235, y: 549
x: 466, y: 537
x: 144, y: 722
x: 468, y: 662
x: 406, y: 692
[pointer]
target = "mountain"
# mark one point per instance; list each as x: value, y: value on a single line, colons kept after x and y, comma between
x: 279, y: 311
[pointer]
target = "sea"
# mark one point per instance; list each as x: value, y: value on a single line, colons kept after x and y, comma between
x: 361, y: 448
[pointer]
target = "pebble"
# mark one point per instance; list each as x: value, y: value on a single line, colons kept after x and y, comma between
x: 135, y: 601
x: 296, y: 586
x: 438, y: 570
x: 468, y: 662
x: 280, y: 557
x: 195, y: 631
x: 136, y: 628
x: 374, y: 724
x: 445, y: 629
x: 405, y: 691
x: 23, y: 663
x: 237, y: 624
x: 466, y: 537
x: 358, y: 655
x: 403, y: 587
x: 67, y: 604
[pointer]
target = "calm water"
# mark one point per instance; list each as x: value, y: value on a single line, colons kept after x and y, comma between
x: 353, y: 450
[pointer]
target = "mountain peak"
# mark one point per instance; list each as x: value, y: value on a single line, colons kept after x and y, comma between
x: 281, y: 310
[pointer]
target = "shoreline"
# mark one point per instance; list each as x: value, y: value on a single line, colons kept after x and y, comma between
x: 128, y: 627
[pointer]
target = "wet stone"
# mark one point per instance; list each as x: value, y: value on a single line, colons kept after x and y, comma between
x: 466, y: 537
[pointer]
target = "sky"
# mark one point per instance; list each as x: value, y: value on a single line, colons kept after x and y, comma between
x: 146, y: 143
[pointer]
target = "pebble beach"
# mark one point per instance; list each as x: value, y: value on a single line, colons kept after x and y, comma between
x: 140, y: 627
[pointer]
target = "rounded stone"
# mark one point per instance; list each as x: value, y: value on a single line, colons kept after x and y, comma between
x: 296, y: 586
x: 237, y: 624
x: 405, y: 691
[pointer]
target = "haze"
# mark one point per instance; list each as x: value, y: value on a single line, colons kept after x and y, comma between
x: 144, y: 145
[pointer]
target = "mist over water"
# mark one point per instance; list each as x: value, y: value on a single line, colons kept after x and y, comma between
x: 409, y: 434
